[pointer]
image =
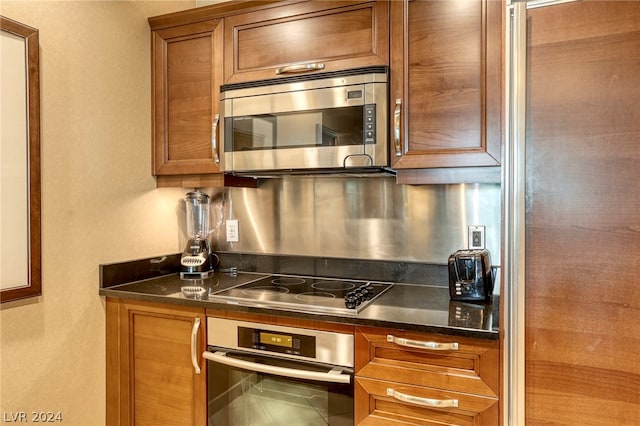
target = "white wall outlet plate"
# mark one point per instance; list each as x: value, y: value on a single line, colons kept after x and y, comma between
x: 476, y: 237
x: 232, y: 231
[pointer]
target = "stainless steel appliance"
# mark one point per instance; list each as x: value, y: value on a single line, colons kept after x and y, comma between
x: 261, y: 374
x: 305, y: 294
x: 470, y: 275
x: 317, y: 123
x: 197, y: 260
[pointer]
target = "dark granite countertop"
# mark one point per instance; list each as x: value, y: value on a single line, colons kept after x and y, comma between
x: 416, y: 307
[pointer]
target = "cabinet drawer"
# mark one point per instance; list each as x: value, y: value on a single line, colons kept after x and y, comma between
x: 259, y: 43
x: 447, y: 362
x: 377, y: 405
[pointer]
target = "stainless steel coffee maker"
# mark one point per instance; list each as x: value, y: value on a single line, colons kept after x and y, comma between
x: 198, y: 261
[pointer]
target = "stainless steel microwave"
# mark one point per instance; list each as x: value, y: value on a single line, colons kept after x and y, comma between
x: 320, y: 123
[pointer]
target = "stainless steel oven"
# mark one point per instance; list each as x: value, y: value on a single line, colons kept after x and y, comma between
x: 261, y: 374
x: 321, y: 123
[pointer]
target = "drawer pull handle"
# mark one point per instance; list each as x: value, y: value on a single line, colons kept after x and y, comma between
x: 425, y: 402
x: 434, y: 346
x: 300, y: 68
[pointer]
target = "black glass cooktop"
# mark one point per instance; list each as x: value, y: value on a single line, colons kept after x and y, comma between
x: 304, y: 294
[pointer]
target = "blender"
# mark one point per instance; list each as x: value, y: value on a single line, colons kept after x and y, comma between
x: 197, y: 257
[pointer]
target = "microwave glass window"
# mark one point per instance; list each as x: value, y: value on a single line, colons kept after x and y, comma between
x: 325, y: 127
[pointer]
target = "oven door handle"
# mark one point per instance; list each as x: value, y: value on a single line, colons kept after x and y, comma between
x: 334, y: 376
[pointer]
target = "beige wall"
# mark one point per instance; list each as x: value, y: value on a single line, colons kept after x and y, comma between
x: 99, y: 202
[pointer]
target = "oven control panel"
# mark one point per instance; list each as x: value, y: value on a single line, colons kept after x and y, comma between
x: 321, y: 346
x: 277, y: 341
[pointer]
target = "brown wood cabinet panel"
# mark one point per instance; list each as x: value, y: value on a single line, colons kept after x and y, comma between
x: 150, y: 376
x: 446, y: 63
x: 337, y: 34
x: 582, y: 221
x: 186, y: 74
x: 375, y: 407
x: 212, y: 11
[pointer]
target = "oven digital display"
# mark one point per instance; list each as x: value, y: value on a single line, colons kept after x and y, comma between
x: 276, y: 339
x: 277, y: 342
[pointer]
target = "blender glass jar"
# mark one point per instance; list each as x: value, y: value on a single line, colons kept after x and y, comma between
x: 198, y: 207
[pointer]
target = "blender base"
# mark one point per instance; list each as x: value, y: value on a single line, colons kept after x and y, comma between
x: 196, y: 275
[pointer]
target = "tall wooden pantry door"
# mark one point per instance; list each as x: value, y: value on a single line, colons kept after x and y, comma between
x: 582, y: 214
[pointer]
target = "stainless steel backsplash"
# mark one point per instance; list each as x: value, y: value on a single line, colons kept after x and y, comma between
x: 359, y: 218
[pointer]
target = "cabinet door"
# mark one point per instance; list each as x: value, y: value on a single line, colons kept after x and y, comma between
x: 446, y: 83
x: 151, y: 376
x: 187, y: 72
x: 314, y: 36
x: 582, y: 335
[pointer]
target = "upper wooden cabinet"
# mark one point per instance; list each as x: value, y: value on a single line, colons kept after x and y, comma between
x: 186, y: 75
x: 446, y: 91
x: 446, y: 77
x: 192, y: 55
x: 314, y: 36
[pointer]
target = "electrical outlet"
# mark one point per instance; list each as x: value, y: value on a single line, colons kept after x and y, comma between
x: 232, y: 231
x: 476, y: 237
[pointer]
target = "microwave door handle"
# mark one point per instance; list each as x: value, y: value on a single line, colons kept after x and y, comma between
x: 214, y: 138
x: 314, y: 66
x: 334, y: 376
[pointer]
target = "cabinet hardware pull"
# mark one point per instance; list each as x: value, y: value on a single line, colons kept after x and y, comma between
x: 300, y: 68
x: 434, y: 346
x: 335, y: 375
x: 396, y: 127
x: 425, y: 402
x: 194, y: 343
x: 214, y: 138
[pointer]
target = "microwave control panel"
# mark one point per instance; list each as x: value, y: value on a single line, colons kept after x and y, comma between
x: 369, y: 125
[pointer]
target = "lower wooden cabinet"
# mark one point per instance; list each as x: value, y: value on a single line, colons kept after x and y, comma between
x: 156, y: 374
x: 408, y: 378
x: 152, y: 375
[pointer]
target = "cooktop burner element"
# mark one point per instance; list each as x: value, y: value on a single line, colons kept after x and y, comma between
x: 260, y: 290
x: 286, y: 281
x: 304, y: 294
x: 333, y: 285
